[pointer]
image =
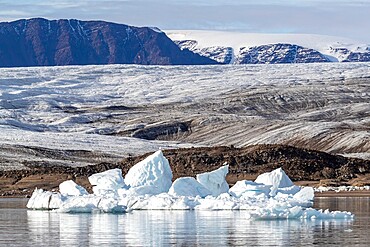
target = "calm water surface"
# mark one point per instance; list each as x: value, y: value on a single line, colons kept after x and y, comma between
x: 21, y: 227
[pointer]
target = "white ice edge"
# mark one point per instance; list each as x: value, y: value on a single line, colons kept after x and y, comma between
x: 341, y: 188
x: 147, y: 188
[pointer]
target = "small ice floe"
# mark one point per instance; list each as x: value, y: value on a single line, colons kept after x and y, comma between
x: 341, y: 188
x: 148, y: 186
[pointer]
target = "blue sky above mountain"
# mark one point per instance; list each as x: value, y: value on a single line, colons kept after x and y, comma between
x: 332, y: 17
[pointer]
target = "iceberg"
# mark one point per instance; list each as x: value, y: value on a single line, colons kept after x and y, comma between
x: 188, y: 186
x: 277, y: 179
x: 41, y: 199
x: 70, y: 188
x: 152, y: 176
x: 91, y: 203
x: 250, y: 187
x: 215, y: 181
x: 107, y: 182
x: 148, y: 186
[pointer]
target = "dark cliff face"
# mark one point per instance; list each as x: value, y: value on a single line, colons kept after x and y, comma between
x: 38, y: 42
x: 352, y: 56
x: 263, y: 54
x: 279, y: 53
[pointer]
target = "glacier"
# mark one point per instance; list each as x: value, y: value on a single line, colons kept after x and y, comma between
x: 100, y: 110
x: 148, y: 186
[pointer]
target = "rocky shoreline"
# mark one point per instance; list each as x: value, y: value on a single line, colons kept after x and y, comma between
x: 303, y: 166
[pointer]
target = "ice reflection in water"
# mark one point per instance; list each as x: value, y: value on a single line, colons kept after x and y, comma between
x: 19, y: 227
x: 185, y: 228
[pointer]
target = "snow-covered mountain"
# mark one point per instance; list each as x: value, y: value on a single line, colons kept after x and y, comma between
x: 253, y: 48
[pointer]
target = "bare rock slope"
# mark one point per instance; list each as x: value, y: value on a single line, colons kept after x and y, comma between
x: 245, y: 163
x: 41, y: 42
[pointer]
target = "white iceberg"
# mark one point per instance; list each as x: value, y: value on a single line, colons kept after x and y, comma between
x: 153, y: 175
x: 291, y: 190
x: 188, y: 186
x: 107, y: 182
x: 215, y: 181
x: 271, y: 196
x: 306, y: 194
x: 70, y: 188
x: 277, y: 179
x: 41, y: 199
x: 91, y: 203
x: 249, y: 187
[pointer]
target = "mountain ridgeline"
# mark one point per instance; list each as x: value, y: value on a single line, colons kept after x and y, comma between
x: 40, y: 42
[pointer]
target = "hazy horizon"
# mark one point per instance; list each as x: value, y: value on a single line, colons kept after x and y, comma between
x: 343, y: 18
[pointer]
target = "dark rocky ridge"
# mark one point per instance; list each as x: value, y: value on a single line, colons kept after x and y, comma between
x: 223, y: 55
x: 273, y: 54
x: 279, y: 53
x: 244, y: 163
x: 40, y: 42
x: 352, y: 56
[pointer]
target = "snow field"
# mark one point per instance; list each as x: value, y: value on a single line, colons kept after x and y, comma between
x: 97, y: 108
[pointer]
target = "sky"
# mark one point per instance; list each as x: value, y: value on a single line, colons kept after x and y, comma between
x: 345, y: 18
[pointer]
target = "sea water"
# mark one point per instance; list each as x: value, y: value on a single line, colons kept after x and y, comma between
x: 22, y: 227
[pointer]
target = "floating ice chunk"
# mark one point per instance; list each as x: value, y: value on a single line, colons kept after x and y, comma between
x: 81, y: 204
x: 222, y: 202
x: 150, y: 180
x: 252, y: 188
x: 90, y: 203
x: 289, y: 190
x: 277, y: 178
x: 110, y: 205
x: 70, y: 188
x: 341, y: 188
x: 107, y: 182
x: 162, y: 201
x: 154, y: 171
x: 188, y: 186
x: 311, y: 213
x: 297, y: 212
x: 41, y: 199
x: 306, y: 194
x: 215, y: 180
x: 144, y: 190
